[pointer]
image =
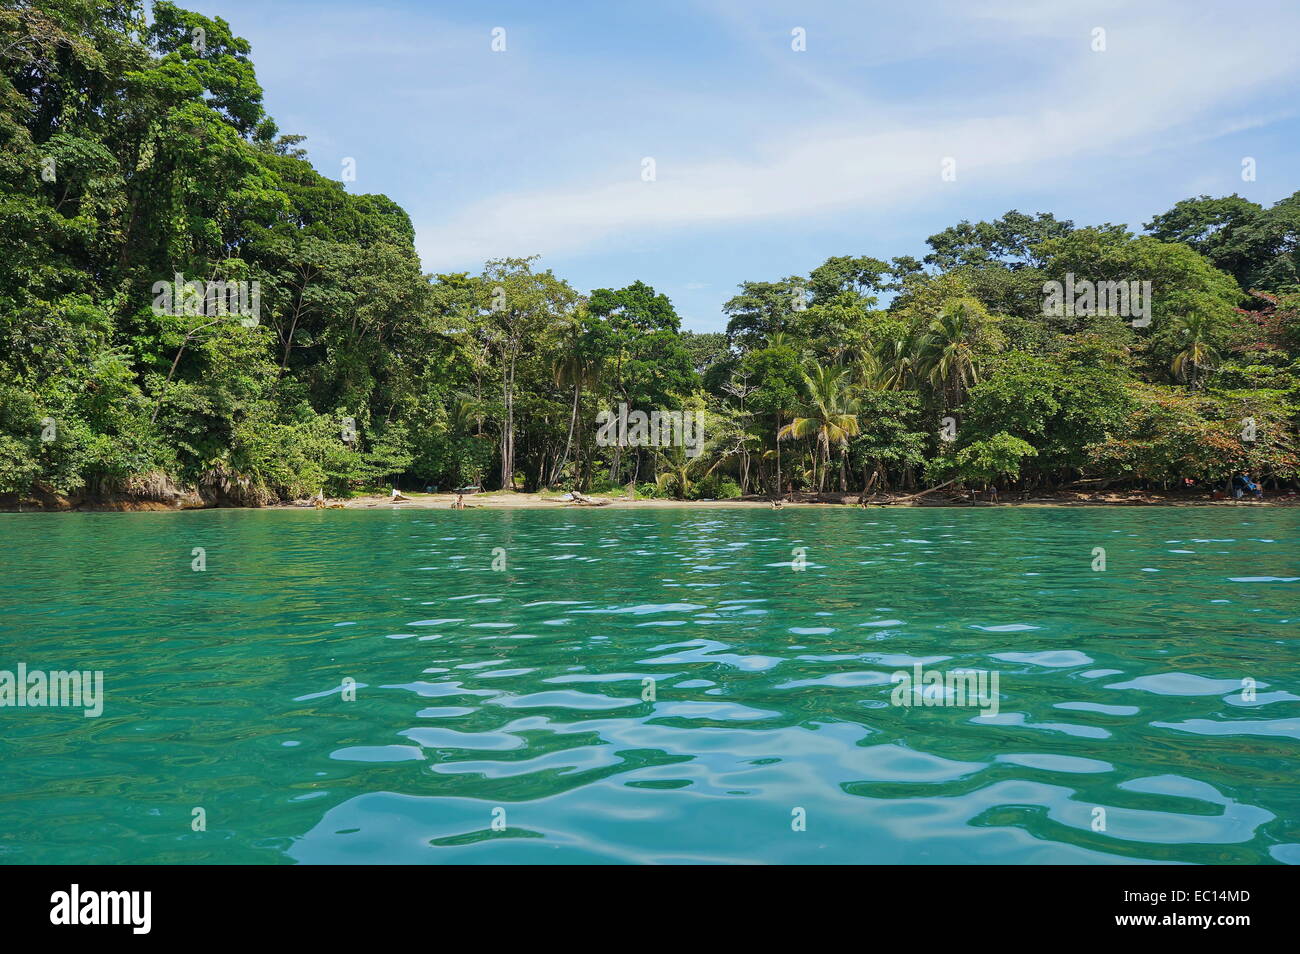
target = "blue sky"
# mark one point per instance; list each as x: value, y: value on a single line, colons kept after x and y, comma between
x: 769, y: 160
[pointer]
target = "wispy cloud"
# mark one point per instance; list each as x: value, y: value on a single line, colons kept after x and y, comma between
x: 1165, y: 76
x: 769, y: 160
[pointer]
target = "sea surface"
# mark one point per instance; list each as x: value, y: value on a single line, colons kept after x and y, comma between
x: 670, y: 686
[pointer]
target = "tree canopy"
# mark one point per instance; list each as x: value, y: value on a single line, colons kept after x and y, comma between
x: 138, y: 166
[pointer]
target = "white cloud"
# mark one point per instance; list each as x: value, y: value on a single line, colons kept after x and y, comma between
x: 1162, y: 80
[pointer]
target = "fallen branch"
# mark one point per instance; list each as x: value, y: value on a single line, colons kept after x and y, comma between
x: 924, y: 492
x: 1086, y: 480
x: 585, y: 501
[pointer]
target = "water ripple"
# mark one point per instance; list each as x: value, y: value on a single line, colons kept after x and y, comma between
x: 350, y: 686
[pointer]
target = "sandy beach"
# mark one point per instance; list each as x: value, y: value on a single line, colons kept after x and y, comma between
x: 552, y: 501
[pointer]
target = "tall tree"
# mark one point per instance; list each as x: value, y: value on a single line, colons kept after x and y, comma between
x: 519, y: 307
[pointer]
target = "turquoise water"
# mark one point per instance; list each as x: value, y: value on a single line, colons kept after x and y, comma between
x: 500, y: 715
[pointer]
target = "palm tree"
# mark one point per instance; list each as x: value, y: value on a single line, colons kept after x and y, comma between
x: 779, y: 339
x: 1197, y: 335
x: 681, y: 473
x: 830, y: 415
x: 465, y: 411
x: 897, y: 360
x: 947, y: 350
x: 870, y: 372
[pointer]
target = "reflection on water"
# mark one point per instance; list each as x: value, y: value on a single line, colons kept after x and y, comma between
x: 662, y: 686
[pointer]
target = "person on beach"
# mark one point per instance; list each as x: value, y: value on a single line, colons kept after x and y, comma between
x: 460, y: 502
x: 1242, y: 484
x: 1253, y: 487
x: 397, y: 496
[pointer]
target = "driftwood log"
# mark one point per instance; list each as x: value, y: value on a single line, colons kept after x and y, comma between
x: 883, y: 499
x: 582, y: 500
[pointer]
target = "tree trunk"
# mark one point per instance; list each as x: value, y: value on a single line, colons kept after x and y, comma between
x: 558, y: 470
x: 869, y: 480
x: 167, y: 384
x: 823, y: 451
x: 508, y: 426
x: 778, y: 454
x: 288, y: 341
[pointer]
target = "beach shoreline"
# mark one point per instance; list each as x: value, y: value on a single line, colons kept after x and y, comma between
x: 497, y: 500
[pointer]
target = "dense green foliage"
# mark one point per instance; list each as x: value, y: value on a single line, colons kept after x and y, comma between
x: 133, y: 154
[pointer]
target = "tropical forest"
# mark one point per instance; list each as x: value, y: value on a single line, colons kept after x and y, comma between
x: 136, y: 156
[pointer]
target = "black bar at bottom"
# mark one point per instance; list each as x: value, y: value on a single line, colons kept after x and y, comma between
x: 503, y: 904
